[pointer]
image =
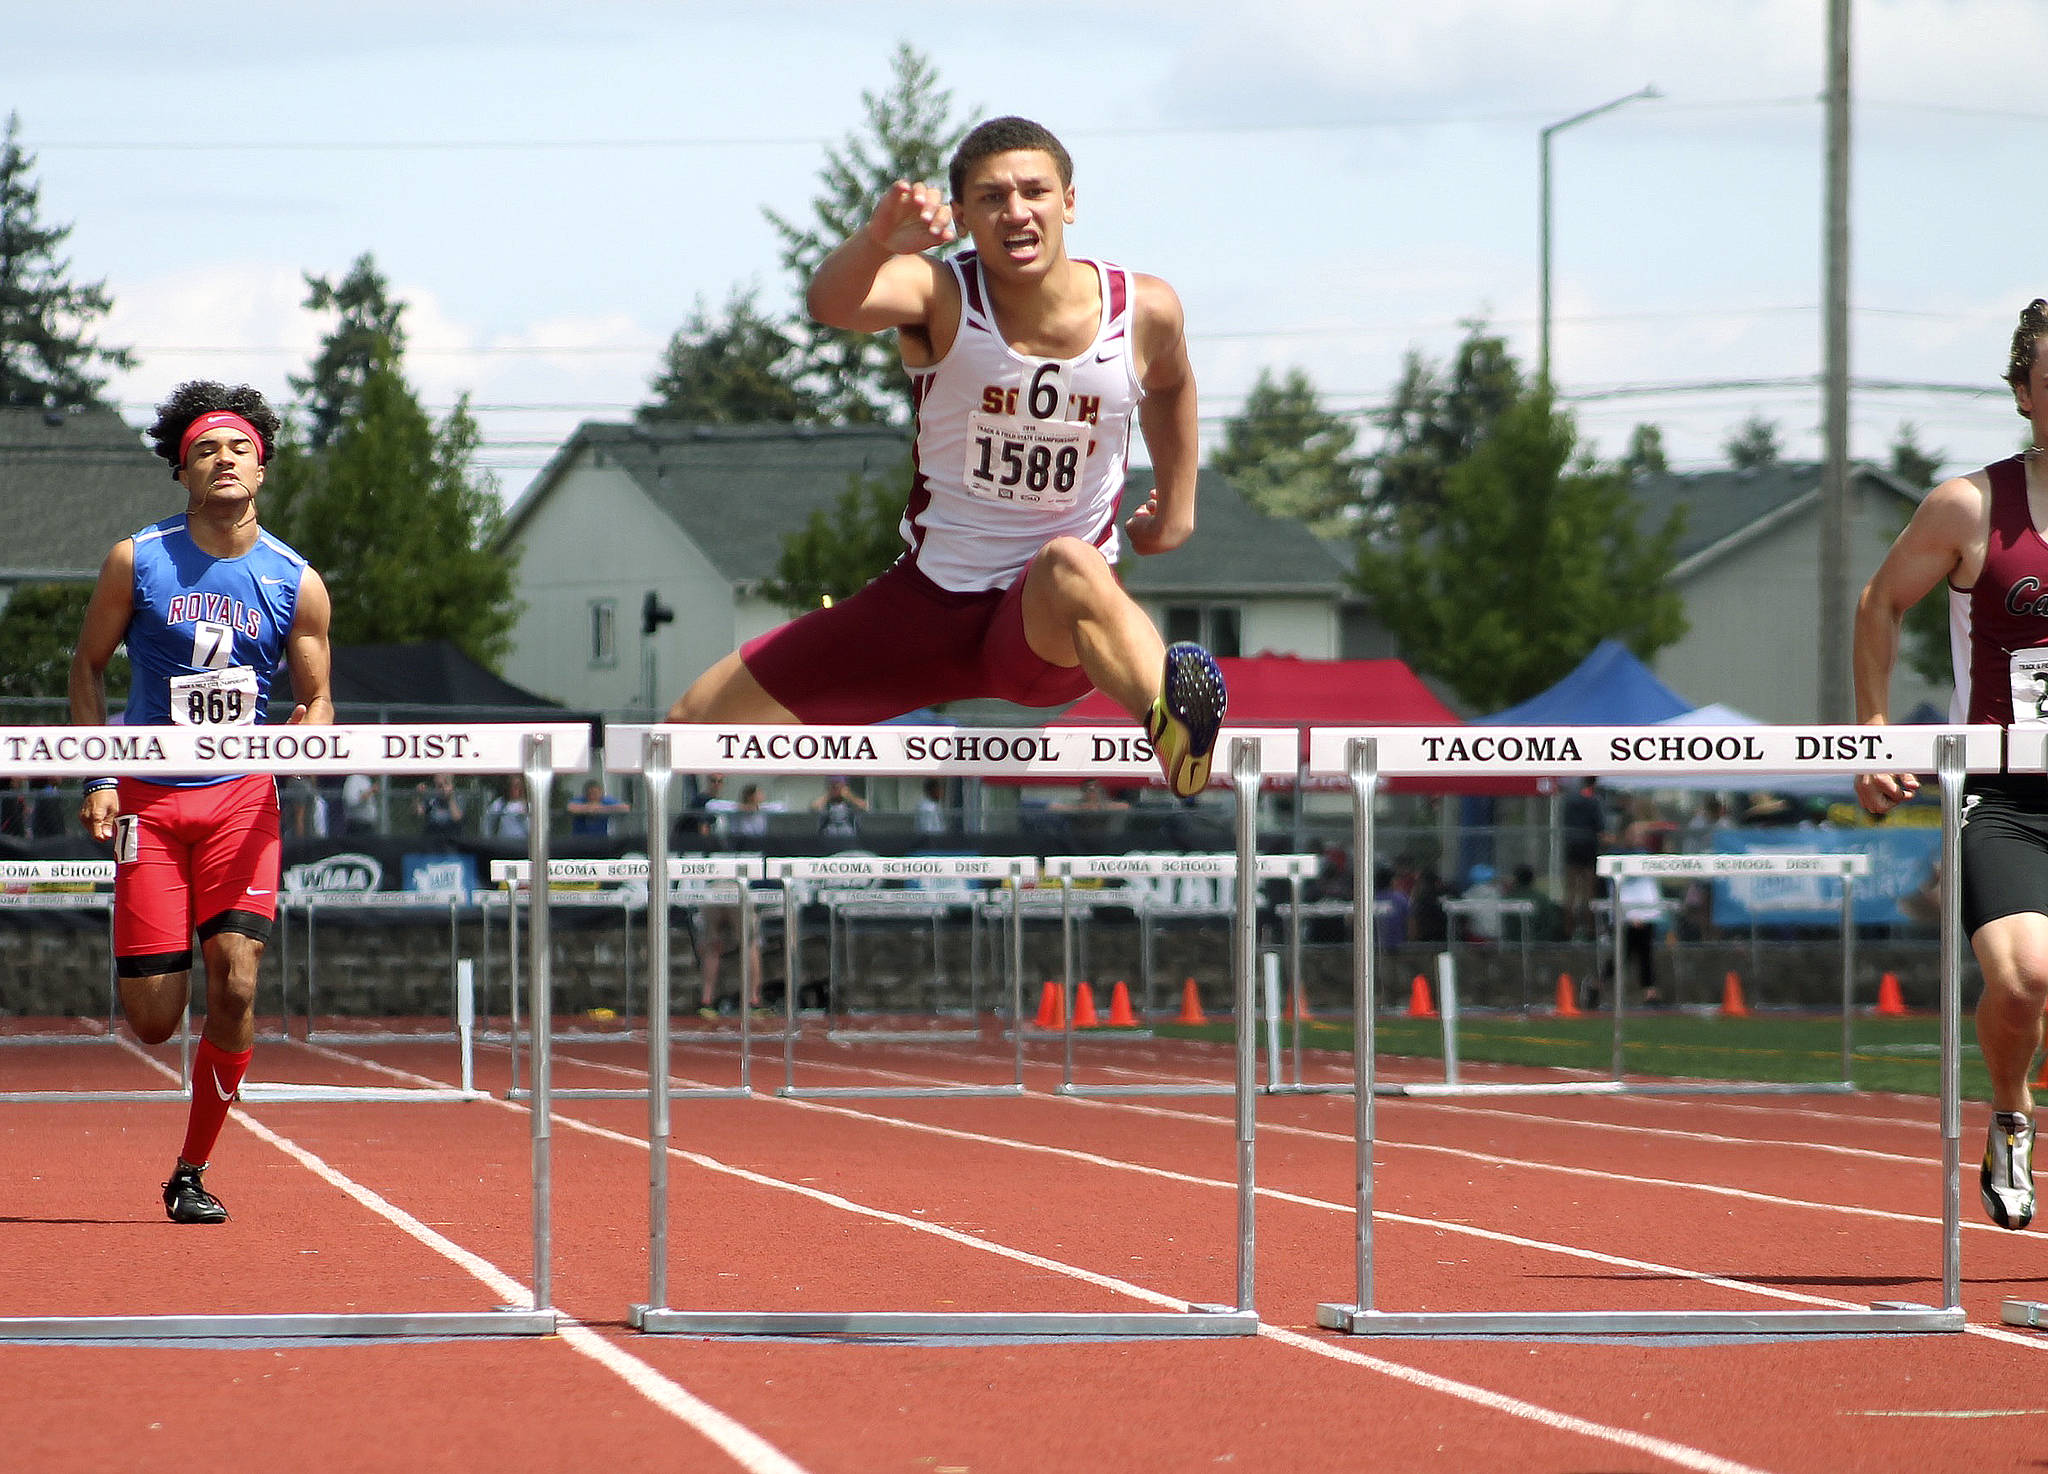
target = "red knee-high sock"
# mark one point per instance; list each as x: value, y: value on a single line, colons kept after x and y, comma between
x: 216, y: 1077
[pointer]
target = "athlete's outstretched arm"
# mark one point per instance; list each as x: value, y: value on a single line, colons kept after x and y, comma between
x: 104, y: 628
x: 1166, y: 416
x: 878, y: 277
x: 1931, y: 548
x: 307, y: 654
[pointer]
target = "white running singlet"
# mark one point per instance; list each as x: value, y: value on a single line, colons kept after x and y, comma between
x: 1012, y: 452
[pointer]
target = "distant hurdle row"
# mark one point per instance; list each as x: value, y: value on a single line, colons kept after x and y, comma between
x: 538, y: 753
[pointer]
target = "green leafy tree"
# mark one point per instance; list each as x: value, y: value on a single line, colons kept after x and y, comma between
x: 1435, y: 418
x: 1290, y: 457
x: 1754, y: 445
x: 1530, y: 558
x: 834, y: 553
x: 390, y: 506
x: 48, y: 354
x: 1925, y: 636
x: 38, y: 630
x: 736, y: 369
x: 910, y: 134
x: 1645, y: 455
x: 367, y: 331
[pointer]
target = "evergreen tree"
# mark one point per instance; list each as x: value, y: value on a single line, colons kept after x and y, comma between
x: 48, y: 354
x: 1290, y: 457
x: 910, y: 134
x: 738, y: 369
x: 1433, y: 421
x: 835, y: 553
x: 1530, y: 557
x: 367, y: 331
x: 1753, y: 445
x: 38, y: 631
x: 1645, y: 455
x: 391, y: 510
x: 1925, y: 635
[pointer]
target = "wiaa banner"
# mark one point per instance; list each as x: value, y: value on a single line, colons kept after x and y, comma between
x: 1902, y: 864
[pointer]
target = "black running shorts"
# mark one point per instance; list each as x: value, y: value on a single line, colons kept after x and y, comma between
x: 2005, y: 849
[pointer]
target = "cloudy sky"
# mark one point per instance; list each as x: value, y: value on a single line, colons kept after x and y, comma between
x: 1328, y: 183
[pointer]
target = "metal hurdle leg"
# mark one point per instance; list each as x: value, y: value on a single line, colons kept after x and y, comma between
x: 1885, y: 1317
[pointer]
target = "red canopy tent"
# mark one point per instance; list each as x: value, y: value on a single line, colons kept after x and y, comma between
x: 1288, y: 691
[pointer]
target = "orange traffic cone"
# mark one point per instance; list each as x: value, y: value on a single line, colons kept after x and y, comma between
x: 1191, y: 1004
x: 1084, y: 1007
x: 1568, y: 997
x: 1420, y: 1004
x: 1120, y: 1015
x: 1298, y: 1010
x: 1052, y: 1007
x: 1732, y: 1005
x: 1889, y: 1002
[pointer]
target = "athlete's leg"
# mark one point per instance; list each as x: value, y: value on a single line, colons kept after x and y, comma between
x: 155, y: 1004
x: 2013, y: 953
x: 1076, y: 613
x: 728, y: 692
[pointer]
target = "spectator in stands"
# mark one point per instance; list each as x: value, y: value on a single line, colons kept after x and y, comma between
x: 1389, y: 907
x: 931, y: 808
x: 1585, y: 830
x: 750, y: 820
x: 507, y: 816
x: 439, y: 808
x: 592, y: 814
x: 1426, y: 919
x: 1091, y: 817
x: 839, y: 809
x: 305, y: 812
x: 14, y: 807
x: 359, y: 804
x: 1483, y: 920
x: 1546, y: 921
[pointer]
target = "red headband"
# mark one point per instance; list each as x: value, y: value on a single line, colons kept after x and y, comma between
x: 220, y: 419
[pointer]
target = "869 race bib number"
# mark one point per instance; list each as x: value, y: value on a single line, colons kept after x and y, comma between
x: 214, y: 698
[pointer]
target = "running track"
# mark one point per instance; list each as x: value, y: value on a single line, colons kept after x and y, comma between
x: 1038, y: 1203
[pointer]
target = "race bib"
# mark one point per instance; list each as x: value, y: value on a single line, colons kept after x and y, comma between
x: 2029, y: 669
x: 214, y: 698
x: 127, y: 839
x: 1030, y: 463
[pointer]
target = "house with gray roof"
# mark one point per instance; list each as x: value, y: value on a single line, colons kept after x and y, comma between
x: 695, y: 516
x: 1749, y: 569
x: 73, y: 482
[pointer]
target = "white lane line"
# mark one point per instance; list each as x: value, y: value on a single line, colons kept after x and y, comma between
x: 1989, y: 1412
x: 1682, y: 1455
x: 746, y: 1448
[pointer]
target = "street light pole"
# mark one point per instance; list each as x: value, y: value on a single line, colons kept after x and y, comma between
x: 1543, y: 294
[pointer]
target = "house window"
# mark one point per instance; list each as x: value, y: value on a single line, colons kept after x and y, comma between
x: 604, y: 631
x: 1216, y: 626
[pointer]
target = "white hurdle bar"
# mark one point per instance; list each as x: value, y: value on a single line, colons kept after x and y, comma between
x: 1364, y: 755
x: 538, y: 753
x: 1081, y: 752
x: 728, y: 873
x: 1066, y: 869
x: 797, y: 873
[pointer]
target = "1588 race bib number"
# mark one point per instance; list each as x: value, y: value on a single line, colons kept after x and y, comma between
x: 1034, y: 463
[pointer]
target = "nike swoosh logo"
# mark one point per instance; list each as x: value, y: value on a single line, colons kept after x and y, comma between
x: 252, y: 891
x: 273, y: 582
x: 227, y: 1095
x: 1105, y: 357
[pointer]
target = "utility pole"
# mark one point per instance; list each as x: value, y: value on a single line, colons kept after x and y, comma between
x: 1833, y: 642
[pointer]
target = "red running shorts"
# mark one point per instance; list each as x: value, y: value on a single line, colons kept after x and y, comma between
x: 187, y: 859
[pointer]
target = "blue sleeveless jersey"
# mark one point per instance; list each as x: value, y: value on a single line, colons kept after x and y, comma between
x: 196, y: 613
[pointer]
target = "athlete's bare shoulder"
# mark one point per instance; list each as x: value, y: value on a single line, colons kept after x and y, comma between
x: 923, y: 342
x: 1159, y: 320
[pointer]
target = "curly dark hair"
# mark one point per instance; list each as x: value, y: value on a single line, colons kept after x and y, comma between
x: 2026, y: 341
x: 1002, y: 136
x: 203, y: 396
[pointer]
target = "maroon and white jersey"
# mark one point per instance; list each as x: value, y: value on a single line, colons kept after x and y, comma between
x: 1013, y: 451
x: 1998, y: 627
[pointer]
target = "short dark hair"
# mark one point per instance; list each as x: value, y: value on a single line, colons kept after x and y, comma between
x: 1002, y: 136
x: 2026, y: 341
x: 199, y: 397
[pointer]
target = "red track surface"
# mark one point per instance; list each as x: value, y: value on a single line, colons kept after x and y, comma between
x: 1033, y: 1203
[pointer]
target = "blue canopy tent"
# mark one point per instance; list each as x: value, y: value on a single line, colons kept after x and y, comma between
x: 1609, y: 688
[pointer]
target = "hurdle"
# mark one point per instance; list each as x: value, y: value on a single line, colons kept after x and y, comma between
x: 536, y: 752
x: 2026, y: 751
x: 96, y: 873
x: 795, y: 873
x: 309, y: 904
x: 722, y: 876
x: 1066, y: 869
x: 1119, y: 753
x: 1364, y: 755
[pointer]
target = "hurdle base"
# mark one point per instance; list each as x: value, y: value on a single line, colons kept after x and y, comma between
x: 1110, y: 1091
x: 1883, y: 1318
x: 2031, y: 1313
x: 894, y: 1092
x: 507, y: 1322
x: 1200, y: 1320
x: 281, y: 1093
x: 624, y: 1092
x: 1443, y: 1090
